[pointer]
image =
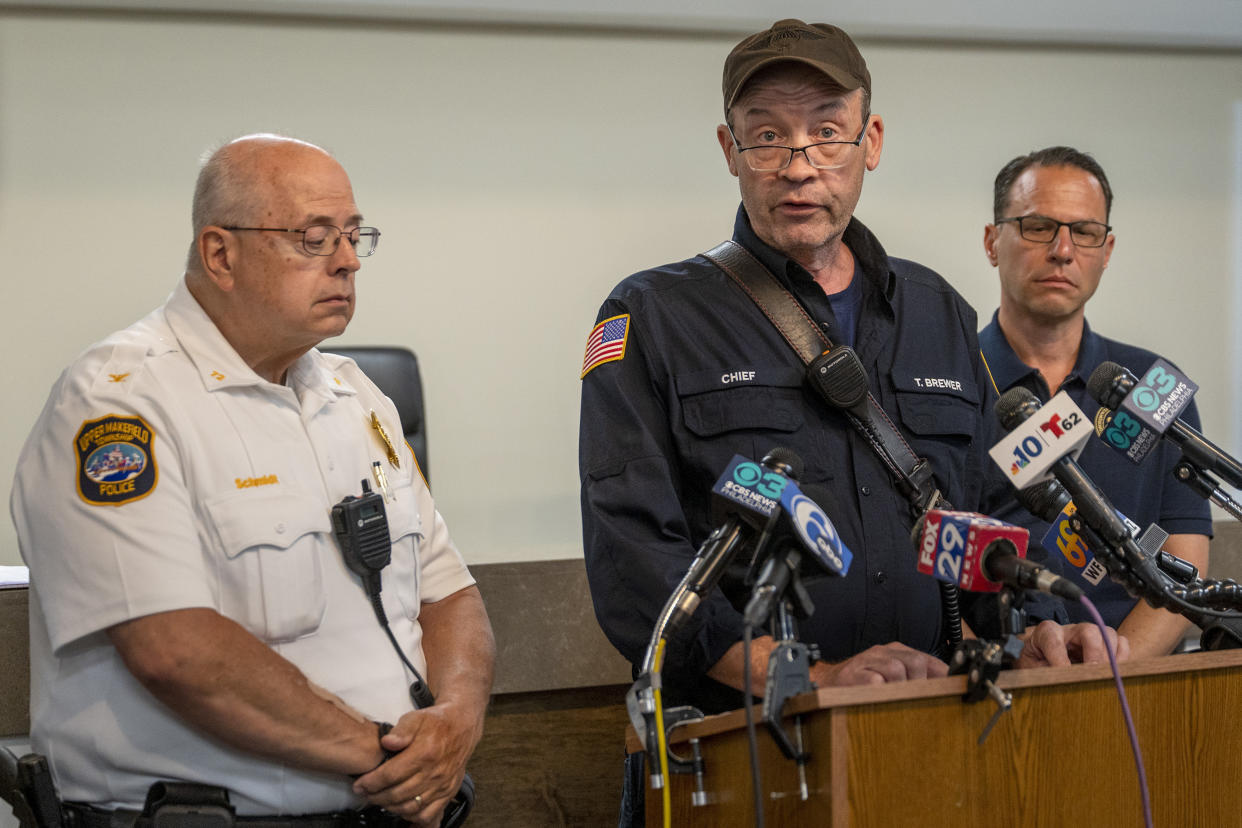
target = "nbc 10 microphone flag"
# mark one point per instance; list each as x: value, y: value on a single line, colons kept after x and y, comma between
x: 606, y: 342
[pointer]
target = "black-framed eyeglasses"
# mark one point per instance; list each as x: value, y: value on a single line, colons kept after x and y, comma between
x: 324, y: 239
x: 823, y: 155
x: 1043, y: 230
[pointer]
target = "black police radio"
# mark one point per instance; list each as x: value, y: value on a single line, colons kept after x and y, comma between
x: 361, y: 528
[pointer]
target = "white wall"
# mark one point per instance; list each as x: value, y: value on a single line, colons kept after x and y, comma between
x: 518, y: 174
x: 1212, y: 23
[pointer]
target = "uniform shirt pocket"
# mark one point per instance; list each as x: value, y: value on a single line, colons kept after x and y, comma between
x: 718, y: 402
x: 942, y: 425
x: 932, y: 414
x: 271, y: 575
x: 405, y: 526
x: 740, y: 412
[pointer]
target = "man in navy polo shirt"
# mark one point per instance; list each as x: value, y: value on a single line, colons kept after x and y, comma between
x: 1050, y: 242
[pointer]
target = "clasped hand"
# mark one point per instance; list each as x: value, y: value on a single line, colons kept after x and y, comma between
x: 433, y: 745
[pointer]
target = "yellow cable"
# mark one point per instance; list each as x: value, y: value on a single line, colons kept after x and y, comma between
x: 659, y: 723
x: 989, y: 367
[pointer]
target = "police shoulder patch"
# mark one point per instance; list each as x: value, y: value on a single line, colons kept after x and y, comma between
x: 116, y: 460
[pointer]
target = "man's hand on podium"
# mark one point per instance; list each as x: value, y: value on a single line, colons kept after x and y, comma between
x: 1054, y: 645
x: 879, y: 665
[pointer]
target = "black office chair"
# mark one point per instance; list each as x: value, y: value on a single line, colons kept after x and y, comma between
x: 395, y: 371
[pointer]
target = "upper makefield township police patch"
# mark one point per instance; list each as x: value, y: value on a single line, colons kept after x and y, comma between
x: 116, y: 460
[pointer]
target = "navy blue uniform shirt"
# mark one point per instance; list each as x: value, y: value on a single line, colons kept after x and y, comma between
x: 1147, y: 493
x: 706, y: 376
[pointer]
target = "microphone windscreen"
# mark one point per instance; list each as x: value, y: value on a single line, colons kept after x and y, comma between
x: 785, y: 460
x: 1015, y: 406
x: 1044, y: 499
x: 1109, y: 384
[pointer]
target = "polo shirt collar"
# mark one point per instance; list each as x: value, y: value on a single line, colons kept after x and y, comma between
x: 1091, y: 353
x: 1008, y: 370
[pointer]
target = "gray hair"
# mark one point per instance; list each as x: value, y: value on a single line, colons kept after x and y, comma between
x: 225, y: 193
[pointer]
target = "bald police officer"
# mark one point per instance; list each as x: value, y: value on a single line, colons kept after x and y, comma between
x: 192, y: 616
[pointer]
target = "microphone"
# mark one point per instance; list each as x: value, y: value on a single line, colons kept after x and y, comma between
x: 1016, y: 408
x: 1044, y: 500
x: 749, y: 495
x: 804, y: 528
x: 982, y: 554
x: 1049, y: 502
x: 1151, y: 408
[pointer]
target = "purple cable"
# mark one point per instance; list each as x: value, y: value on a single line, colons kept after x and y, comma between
x: 1125, y: 711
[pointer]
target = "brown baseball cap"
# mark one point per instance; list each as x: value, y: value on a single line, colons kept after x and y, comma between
x: 818, y: 45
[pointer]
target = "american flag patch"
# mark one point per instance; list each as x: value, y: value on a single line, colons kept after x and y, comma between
x: 606, y: 342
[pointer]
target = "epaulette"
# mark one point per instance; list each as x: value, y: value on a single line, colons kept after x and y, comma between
x: 121, y: 368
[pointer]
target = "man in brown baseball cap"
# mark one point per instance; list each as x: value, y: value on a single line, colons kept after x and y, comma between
x: 819, y: 45
x: 684, y: 371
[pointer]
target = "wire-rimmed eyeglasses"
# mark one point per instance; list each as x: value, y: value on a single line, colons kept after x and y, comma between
x: 324, y: 239
x: 823, y: 155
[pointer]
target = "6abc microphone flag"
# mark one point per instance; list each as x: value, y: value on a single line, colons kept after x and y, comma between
x: 755, y: 492
x: 757, y: 506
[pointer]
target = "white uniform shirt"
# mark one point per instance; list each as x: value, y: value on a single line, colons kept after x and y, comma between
x: 165, y: 474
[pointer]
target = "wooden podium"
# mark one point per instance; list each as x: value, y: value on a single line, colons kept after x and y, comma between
x: 906, y: 754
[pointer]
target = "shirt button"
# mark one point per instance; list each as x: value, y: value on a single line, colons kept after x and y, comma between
x: 881, y: 576
x: 331, y: 464
x: 280, y: 528
x: 866, y: 490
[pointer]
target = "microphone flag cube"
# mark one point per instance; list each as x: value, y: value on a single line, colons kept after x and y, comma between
x: 1027, y: 454
x: 952, y: 545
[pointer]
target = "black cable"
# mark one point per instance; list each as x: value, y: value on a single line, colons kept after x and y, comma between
x: 420, y: 693
x: 951, y: 612
x: 1160, y: 590
x: 1213, y: 593
x: 752, y: 738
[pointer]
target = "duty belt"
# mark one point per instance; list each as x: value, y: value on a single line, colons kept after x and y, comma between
x: 85, y: 816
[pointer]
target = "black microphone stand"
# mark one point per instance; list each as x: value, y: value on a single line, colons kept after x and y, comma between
x: 1221, y: 630
x: 1217, y: 633
x: 789, y: 664
x: 1206, y: 486
x: 640, y: 702
x: 982, y: 660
